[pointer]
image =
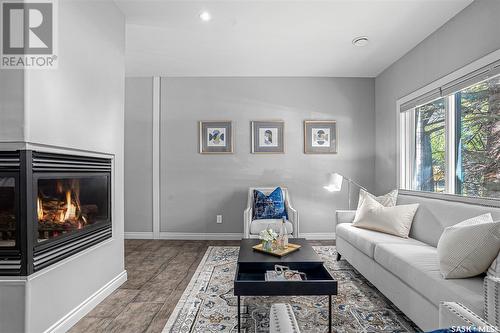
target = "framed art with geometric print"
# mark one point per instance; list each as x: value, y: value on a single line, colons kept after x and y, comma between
x: 320, y: 137
x: 216, y: 137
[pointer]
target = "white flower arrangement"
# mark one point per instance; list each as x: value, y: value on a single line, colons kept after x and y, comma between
x: 268, y: 235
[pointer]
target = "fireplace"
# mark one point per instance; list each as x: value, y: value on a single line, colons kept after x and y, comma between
x: 51, y: 207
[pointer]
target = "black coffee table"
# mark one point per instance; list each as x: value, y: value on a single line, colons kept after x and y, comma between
x: 252, y: 266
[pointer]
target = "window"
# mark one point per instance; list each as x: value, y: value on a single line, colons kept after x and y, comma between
x: 478, y: 139
x: 450, y: 138
x: 430, y: 151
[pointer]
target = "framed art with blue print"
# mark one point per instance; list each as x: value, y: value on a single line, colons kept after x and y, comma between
x: 216, y: 137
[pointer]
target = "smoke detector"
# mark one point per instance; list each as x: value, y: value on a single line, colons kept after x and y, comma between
x: 360, y: 41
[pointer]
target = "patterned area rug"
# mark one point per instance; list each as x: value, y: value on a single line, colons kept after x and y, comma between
x: 208, y: 303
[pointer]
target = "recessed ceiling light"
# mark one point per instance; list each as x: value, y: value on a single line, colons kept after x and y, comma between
x: 360, y: 41
x: 205, y: 16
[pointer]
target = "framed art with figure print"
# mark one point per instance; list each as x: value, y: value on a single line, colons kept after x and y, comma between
x: 268, y: 137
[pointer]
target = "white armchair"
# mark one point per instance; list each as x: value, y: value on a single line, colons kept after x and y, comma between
x: 453, y: 314
x: 458, y: 315
x: 252, y: 230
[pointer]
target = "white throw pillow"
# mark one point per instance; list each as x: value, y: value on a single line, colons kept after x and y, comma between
x: 395, y: 220
x: 468, y: 248
x: 387, y: 200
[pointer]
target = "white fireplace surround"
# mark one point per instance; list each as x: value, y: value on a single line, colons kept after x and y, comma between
x: 77, y: 108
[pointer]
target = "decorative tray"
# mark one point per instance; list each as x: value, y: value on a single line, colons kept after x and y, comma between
x: 278, y: 253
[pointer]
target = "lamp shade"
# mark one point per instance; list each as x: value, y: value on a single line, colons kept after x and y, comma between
x: 335, y: 182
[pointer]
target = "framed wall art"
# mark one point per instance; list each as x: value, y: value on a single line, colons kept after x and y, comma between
x: 216, y: 137
x: 268, y: 137
x: 320, y: 137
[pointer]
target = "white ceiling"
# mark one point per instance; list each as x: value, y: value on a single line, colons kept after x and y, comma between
x: 276, y: 38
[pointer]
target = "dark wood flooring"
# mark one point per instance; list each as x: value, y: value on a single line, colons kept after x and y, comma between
x: 158, y: 272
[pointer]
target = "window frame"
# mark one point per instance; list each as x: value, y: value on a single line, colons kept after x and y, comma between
x: 405, y: 138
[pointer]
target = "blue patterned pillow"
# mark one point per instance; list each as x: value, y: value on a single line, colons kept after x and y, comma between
x: 270, y: 206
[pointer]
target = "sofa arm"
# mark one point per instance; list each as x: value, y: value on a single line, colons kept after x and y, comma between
x: 345, y: 216
x: 492, y: 299
x: 247, y: 219
x: 456, y: 314
x: 293, y: 217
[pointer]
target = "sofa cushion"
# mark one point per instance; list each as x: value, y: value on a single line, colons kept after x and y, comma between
x: 258, y: 225
x: 366, y: 240
x: 417, y: 265
x: 434, y: 215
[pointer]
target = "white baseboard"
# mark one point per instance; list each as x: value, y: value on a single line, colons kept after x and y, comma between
x: 216, y: 236
x: 318, y: 235
x: 202, y: 236
x: 66, y: 322
x: 185, y: 235
x: 139, y: 235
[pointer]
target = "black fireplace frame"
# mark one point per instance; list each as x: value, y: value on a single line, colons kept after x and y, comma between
x: 27, y: 167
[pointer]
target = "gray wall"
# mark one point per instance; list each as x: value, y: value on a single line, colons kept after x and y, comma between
x: 468, y: 36
x: 138, y: 155
x: 195, y: 188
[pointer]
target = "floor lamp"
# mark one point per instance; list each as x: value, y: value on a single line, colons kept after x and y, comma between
x: 335, y: 185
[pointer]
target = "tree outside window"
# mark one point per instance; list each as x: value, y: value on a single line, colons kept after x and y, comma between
x: 478, y: 139
x: 473, y: 114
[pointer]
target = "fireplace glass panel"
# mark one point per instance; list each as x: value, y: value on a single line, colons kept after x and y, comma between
x: 67, y: 205
x: 7, y: 211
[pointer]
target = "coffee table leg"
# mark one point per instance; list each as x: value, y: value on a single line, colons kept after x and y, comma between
x: 330, y: 313
x: 239, y: 315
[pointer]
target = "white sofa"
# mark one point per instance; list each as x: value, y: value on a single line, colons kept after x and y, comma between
x: 252, y: 228
x: 407, y: 270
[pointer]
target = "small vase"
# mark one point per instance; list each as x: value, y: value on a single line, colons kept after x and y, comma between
x: 267, y: 246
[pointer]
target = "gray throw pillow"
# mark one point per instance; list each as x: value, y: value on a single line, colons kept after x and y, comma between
x: 468, y: 248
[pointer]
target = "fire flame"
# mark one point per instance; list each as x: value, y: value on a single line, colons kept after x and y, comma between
x: 59, y: 209
x: 39, y: 208
x: 67, y: 211
x: 70, y: 208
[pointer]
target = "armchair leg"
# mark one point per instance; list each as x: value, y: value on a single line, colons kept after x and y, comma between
x: 338, y: 256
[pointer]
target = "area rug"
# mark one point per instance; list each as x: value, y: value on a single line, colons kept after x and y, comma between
x: 208, y: 303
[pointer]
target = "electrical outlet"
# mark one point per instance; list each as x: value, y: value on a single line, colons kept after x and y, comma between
x: 219, y: 218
